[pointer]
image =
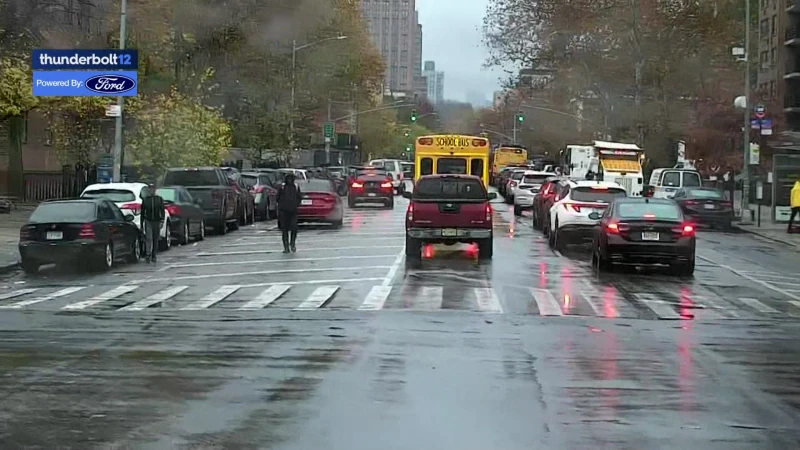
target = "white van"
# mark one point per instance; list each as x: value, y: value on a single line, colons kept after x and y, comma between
x: 664, y: 183
x: 395, y: 168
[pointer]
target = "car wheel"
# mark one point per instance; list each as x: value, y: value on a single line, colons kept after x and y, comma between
x: 684, y: 269
x: 136, y: 252
x: 107, y: 261
x: 551, y: 238
x: 166, y: 244
x: 517, y: 211
x: 351, y: 203
x: 202, y: 234
x: 602, y: 264
x: 558, y: 239
x: 486, y: 248
x: 222, y: 229
x: 234, y: 225
x: 390, y: 204
x: 185, y: 234
x: 30, y: 267
x: 413, y: 248
x: 253, y: 215
x: 535, y: 221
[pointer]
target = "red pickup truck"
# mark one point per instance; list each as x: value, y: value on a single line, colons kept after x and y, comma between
x: 448, y: 209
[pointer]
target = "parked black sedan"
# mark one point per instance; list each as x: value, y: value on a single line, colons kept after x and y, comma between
x: 79, y: 231
x: 642, y: 231
x: 705, y: 206
x: 186, y: 216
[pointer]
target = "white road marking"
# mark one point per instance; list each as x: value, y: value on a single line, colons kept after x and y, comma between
x: 318, y: 298
x: 714, y: 308
x: 663, y: 310
x: 302, y: 249
x: 18, y: 293
x: 753, y: 279
x: 376, y: 298
x: 158, y: 297
x: 547, y: 304
x: 758, y: 306
x: 270, y: 241
x: 267, y: 297
x: 261, y: 272
x: 387, y: 281
x: 212, y: 298
x: 488, y: 301
x: 109, y: 295
x: 593, y: 301
x: 795, y: 303
x: 54, y: 295
x: 295, y: 283
x: 429, y: 298
x: 277, y: 261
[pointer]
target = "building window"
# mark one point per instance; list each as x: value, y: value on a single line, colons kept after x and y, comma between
x: 772, y: 56
x: 764, y: 28
x: 772, y: 93
x: 773, y: 26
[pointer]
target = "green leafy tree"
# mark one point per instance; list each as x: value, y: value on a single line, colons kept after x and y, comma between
x: 16, y: 99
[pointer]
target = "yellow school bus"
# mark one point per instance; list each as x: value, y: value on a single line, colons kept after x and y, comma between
x: 454, y: 154
x: 508, y: 155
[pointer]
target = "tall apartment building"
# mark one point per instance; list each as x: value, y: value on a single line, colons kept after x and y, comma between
x: 789, y: 14
x: 393, y: 25
x: 420, y: 87
x: 435, y: 81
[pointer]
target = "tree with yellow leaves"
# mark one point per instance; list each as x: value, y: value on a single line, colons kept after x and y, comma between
x: 16, y: 99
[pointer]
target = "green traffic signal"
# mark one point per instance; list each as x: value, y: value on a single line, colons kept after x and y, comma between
x: 520, y: 117
x: 407, y: 132
x: 414, y: 115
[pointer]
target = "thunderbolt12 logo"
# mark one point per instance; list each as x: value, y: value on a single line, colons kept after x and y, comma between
x: 110, y: 84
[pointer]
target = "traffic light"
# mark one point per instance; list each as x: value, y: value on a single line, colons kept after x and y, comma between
x: 413, y: 115
x: 520, y: 117
x: 408, y: 148
x: 406, y: 132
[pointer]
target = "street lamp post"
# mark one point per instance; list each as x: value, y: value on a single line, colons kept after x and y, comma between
x: 296, y: 49
x: 117, y: 171
x: 746, y: 130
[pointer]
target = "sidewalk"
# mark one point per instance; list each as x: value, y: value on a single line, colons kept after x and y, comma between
x: 9, y: 236
x: 775, y: 232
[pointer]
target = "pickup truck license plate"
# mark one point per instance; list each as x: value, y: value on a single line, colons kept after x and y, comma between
x: 449, y: 232
x: 708, y: 206
x: 54, y: 235
x: 649, y: 236
x: 307, y: 202
x: 372, y: 194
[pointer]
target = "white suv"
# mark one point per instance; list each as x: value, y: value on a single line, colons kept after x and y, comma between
x: 530, y: 185
x: 572, y: 218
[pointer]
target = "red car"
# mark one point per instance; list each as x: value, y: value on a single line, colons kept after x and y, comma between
x: 448, y: 209
x: 371, y: 186
x: 320, y: 202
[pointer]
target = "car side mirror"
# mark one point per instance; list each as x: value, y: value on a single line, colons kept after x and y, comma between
x: 407, y: 195
x: 492, y: 195
x: 128, y: 217
x: 595, y: 216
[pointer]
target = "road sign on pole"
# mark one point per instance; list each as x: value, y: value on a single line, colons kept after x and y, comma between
x: 328, y: 130
x: 761, y: 111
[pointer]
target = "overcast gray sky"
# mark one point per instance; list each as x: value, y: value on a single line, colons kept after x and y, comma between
x: 452, y: 37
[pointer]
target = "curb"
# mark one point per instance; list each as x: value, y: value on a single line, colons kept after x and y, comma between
x: 6, y: 268
x: 765, y: 236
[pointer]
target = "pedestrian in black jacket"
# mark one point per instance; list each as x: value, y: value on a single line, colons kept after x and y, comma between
x: 289, y: 197
x: 153, y: 215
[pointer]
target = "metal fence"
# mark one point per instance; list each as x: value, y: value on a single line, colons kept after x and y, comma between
x: 68, y: 183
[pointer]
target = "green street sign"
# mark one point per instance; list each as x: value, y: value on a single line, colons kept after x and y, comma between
x: 329, y: 130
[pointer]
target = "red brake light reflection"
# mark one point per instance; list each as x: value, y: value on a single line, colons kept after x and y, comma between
x: 613, y: 228
x: 357, y: 185
x: 649, y: 216
x: 386, y: 185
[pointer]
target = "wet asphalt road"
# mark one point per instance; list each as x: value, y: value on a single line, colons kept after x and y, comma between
x: 230, y: 344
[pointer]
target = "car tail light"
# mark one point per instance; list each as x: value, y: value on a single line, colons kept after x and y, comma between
x: 577, y: 206
x: 616, y: 227
x: 425, y: 141
x: 258, y: 190
x: 512, y: 184
x: 387, y: 184
x: 692, y: 202
x: 135, y: 207
x: 173, y: 210
x: 649, y: 217
x: 87, y: 232
x: 488, y: 212
x: 410, y: 212
x: 685, y: 229
x: 727, y: 204
x: 357, y: 185
x: 24, y: 233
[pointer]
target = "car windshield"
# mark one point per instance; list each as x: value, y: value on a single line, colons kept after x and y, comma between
x: 638, y: 210
x: 449, y: 189
x: 114, y: 195
x: 706, y: 193
x: 597, y: 195
x: 316, y: 185
x: 534, y: 179
x: 191, y: 178
x: 517, y: 175
x: 63, y: 212
x: 250, y: 180
x: 169, y: 195
x: 369, y: 172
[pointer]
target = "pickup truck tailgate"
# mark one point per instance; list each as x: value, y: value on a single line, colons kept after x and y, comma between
x: 451, y: 215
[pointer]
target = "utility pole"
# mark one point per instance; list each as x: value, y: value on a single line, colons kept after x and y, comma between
x: 328, y: 141
x: 515, y: 130
x: 291, y: 112
x: 746, y: 123
x: 117, y: 173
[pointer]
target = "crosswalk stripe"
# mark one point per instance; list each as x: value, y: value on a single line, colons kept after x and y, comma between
x: 376, y: 298
x: 318, y: 298
x: 18, y: 293
x: 108, y: 295
x: 212, y: 298
x: 795, y: 303
x: 156, y: 298
x: 662, y: 310
x: 591, y: 299
x: 547, y: 304
x: 429, y: 298
x: 488, y: 301
x: 758, y: 306
x: 54, y: 295
x: 267, y: 297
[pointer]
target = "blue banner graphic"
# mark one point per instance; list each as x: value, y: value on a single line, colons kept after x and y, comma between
x: 103, y: 59
x: 85, y: 84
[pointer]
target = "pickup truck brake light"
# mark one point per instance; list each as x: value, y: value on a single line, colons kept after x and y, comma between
x: 410, y: 213
x: 488, y: 212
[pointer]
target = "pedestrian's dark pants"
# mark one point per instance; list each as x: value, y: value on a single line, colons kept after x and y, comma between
x: 795, y: 211
x: 152, y: 231
x: 287, y: 221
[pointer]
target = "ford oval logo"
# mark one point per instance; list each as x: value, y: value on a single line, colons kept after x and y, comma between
x: 110, y: 84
